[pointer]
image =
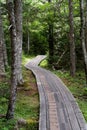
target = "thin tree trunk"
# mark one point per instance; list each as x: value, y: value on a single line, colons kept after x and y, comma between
x: 86, y: 39
x: 18, y: 21
x: 72, y: 43
x: 86, y: 26
x: 51, y: 44
x: 3, y: 41
x: 4, y: 50
x: 28, y: 43
x: 51, y: 41
x: 2, y: 66
x: 5, y: 54
x: 83, y: 35
x: 12, y: 99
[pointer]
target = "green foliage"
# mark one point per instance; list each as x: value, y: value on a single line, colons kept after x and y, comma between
x: 27, y: 100
x: 4, y: 95
x: 38, y: 45
x: 4, y: 89
x: 44, y: 63
x: 32, y: 125
x: 26, y: 58
x: 7, y: 124
x: 37, y: 15
x: 6, y: 30
x: 24, y: 101
x: 85, y: 91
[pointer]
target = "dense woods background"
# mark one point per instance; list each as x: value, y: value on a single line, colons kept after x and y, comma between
x: 52, y: 27
x: 56, y: 28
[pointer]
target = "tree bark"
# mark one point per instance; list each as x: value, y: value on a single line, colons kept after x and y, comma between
x: 83, y: 39
x: 51, y: 41
x: 51, y: 44
x: 4, y: 49
x: 86, y: 39
x: 12, y: 99
x: 2, y: 65
x: 86, y: 26
x: 18, y: 21
x: 5, y: 53
x: 71, y: 38
x: 28, y: 43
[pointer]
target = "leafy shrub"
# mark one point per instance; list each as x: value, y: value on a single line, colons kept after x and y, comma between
x: 85, y: 91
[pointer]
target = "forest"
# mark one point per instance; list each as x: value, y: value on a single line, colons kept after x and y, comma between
x: 55, y: 28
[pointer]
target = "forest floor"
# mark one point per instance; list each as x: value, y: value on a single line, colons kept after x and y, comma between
x: 76, y: 85
x: 27, y: 103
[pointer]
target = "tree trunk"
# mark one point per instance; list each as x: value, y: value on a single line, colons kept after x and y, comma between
x: 18, y: 21
x: 2, y: 65
x: 28, y: 43
x: 86, y: 39
x: 71, y: 38
x: 86, y: 26
x: 51, y: 44
x: 4, y: 50
x: 5, y: 53
x: 83, y: 35
x: 12, y: 99
x: 51, y: 41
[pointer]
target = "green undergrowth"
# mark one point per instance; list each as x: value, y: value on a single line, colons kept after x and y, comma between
x: 76, y: 85
x: 44, y: 64
x: 26, y: 58
x: 27, y: 103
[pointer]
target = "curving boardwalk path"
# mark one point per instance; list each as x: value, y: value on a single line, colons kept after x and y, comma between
x: 58, y: 108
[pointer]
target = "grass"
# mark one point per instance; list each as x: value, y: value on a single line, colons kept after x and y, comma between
x: 76, y: 85
x: 44, y: 64
x: 26, y: 58
x: 27, y: 103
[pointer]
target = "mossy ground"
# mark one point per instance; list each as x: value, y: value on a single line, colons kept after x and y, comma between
x: 27, y: 102
x: 77, y: 85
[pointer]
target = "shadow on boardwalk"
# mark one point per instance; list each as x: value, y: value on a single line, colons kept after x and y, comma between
x: 58, y: 108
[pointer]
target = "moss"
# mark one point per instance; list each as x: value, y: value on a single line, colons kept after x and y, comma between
x: 85, y: 92
x: 26, y: 58
x: 44, y: 63
x: 27, y: 103
x: 7, y: 124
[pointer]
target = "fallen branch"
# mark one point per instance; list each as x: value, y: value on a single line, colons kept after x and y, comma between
x: 61, y: 57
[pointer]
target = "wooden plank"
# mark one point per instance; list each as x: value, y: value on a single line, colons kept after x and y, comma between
x: 61, y: 102
x: 75, y: 107
x: 62, y: 113
x: 71, y: 114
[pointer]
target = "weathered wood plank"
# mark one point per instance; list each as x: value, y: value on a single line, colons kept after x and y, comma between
x: 58, y: 108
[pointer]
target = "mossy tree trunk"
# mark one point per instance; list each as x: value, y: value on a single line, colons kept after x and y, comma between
x: 83, y: 33
x: 3, y: 54
x: 50, y: 39
x: 13, y: 89
x: 18, y: 22
x: 71, y: 39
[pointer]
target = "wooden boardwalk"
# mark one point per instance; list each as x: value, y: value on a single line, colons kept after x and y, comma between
x: 58, y: 108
